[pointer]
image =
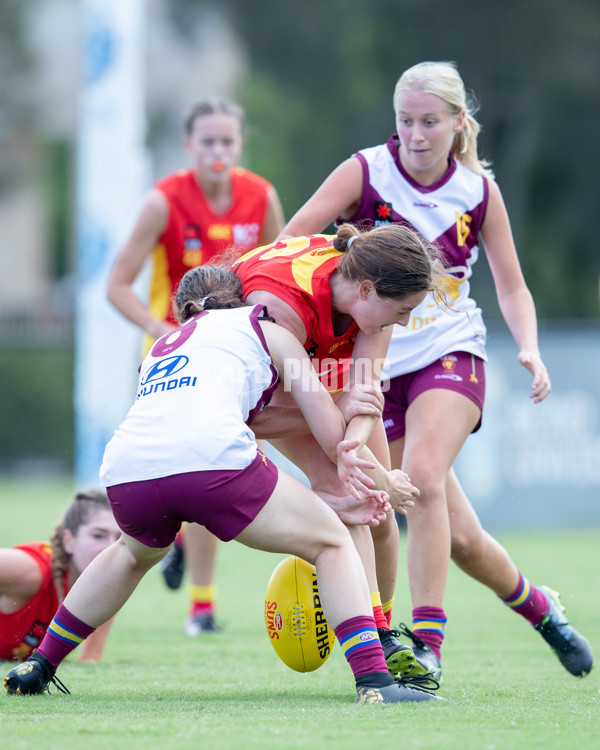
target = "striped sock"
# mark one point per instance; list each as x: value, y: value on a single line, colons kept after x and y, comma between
x: 361, y: 646
x: 203, y: 599
x: 64, y: 634
x: 529, y: 602
x: 380, y: 618
x: 429, y: 624
x: 387, y: 611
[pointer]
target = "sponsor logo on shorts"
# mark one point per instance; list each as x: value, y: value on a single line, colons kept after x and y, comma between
x: 388, y: 423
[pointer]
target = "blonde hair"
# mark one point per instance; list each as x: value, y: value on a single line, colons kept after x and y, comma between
x: 443, y: 80
x: 79, y: 513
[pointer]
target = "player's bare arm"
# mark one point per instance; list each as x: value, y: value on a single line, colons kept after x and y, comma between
x: 514, y: 297
x: 337, y: 196
x: 20, y: 579
x: 274, y: 219
x: 142, y: 241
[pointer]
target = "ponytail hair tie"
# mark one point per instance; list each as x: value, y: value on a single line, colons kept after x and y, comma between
x: 203, y: 300
x: 350, y: 241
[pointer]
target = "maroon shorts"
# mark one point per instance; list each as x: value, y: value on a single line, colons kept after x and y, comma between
x: 458, y: 371
x: 153, y: 510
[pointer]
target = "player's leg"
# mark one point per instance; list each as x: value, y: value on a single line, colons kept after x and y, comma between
x: 97, y: 595
x: 201, y: 556
x: 475, y: 552
x: 296, y: 521
x: 308, y: 456
x: 438, y: 422
x: 483, y: 558
x: 106, y: 583
x: 385, y: 535
x: 306, y: 453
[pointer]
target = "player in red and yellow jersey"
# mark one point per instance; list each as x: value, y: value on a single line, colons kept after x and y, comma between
x: 340, y: 296
x: 36, y: 576
x: 186, y: 219
x: 299, y: 270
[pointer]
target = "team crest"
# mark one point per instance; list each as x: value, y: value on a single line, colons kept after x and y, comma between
x: 192, y: 245
x: 448, y: 363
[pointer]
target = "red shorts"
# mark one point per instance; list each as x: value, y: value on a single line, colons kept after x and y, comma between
x: 225, y: 502
x: 458, y: 371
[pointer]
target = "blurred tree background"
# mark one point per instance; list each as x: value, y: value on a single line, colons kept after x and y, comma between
x: 316, y: 78
x: 320, y: 86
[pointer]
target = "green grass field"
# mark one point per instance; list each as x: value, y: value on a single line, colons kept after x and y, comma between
x: 158, y: 688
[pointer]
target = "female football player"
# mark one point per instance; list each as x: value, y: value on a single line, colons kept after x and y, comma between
x: 429, y: 176
x: 185, y: 452
x: 186, y: 219
x: 35, y: 576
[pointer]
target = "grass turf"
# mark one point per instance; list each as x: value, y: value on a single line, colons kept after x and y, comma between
x: 157, y: 687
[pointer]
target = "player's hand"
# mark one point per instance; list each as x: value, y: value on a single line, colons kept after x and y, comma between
x: 541, y: 386
x: 350, y: 470
x: 360, y: 400
x: 402, y: 493
x: 370, y: 511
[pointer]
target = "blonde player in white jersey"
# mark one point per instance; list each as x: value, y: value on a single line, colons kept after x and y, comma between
x: 430, y: 176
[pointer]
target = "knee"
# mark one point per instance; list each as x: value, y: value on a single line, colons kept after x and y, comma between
x: 431, y: 487
x: 138, y: 556
x: 465, y: 543
x: 386, y: 529
x: 330, y: 537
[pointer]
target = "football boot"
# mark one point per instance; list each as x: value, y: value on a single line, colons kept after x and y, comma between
x: 571, y: 648
x: 399, y: 657
x: 32, y: 677
x: 426, y: 662
x: 403, y: 690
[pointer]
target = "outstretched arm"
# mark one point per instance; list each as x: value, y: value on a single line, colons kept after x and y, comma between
x: 274, y: 220
x: 148, y: 228
x: 514, y: 297
x: 337, y: 196
x: 325, y: 421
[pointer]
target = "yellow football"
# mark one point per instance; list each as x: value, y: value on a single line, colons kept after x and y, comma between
x: 294, y: 618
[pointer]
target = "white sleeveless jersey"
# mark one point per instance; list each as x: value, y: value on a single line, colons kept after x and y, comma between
x: 449, y: 214
x: 199, y: 388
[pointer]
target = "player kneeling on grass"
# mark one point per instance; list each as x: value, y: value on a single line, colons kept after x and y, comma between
x: 185, y: 452
x: 35, y: 576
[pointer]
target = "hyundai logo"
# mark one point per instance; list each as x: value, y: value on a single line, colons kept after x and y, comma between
x: 165, y: 368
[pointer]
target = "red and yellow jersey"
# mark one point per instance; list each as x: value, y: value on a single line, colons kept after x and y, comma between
x: 22, y: 631
x: 298, y: 271
x: 194, y: 233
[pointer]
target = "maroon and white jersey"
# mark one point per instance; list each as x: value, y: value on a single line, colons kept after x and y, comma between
x: 450, y: 214
x: 199, y: 388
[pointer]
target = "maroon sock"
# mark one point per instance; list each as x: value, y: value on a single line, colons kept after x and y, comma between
x: 64, y: 634
x: 361, y: 645
x: 529, y: 602
x: 429, y: 624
